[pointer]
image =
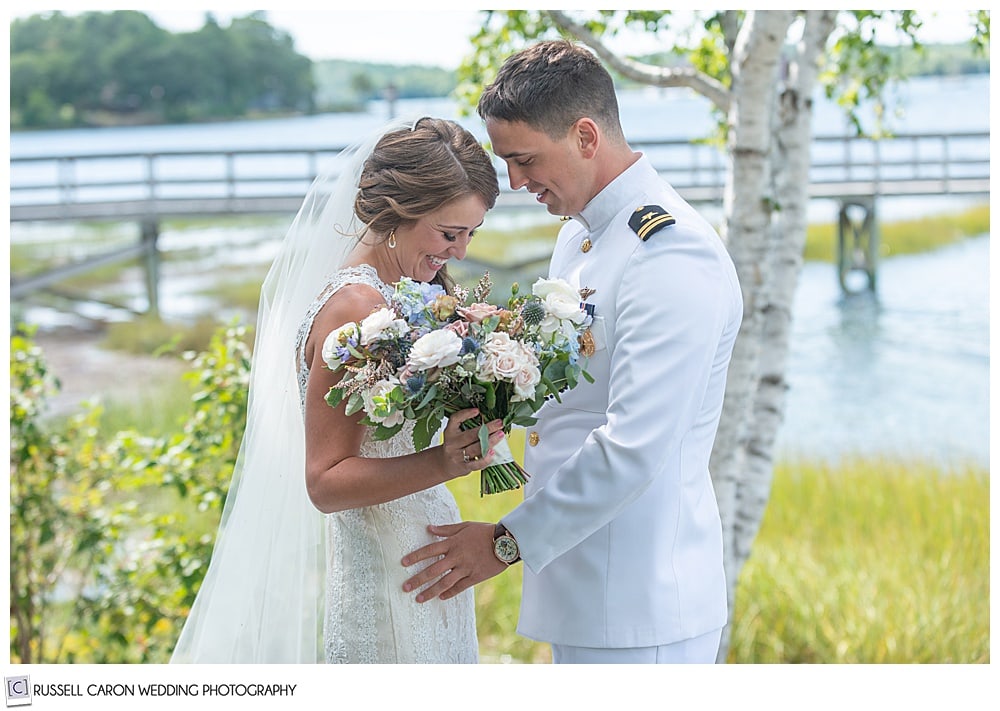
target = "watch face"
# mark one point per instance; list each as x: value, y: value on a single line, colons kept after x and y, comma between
x: 505, y: 548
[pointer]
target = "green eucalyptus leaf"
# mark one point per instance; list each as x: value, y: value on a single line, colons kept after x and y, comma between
x: 428, y: 397
x: 354, y: 404
x: 484, y: 439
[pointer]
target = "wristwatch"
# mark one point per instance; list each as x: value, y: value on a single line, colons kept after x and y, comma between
x: 504, y: 546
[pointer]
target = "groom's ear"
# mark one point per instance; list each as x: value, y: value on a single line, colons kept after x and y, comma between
x: 586, y: 136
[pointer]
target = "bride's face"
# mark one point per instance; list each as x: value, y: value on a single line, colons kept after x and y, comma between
x: 425, y: 246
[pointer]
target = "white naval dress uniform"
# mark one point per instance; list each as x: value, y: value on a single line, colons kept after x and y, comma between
x: 620, y: 530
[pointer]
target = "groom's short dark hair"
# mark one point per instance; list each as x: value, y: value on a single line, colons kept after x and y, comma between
x: 550, y: 86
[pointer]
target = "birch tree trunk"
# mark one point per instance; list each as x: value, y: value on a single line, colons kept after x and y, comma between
x: 790, y: 161
x: 747, y: 207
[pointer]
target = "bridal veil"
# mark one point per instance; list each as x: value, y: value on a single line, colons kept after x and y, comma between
x: 262, y: 600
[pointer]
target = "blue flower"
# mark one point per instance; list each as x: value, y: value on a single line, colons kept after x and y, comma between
x: 416, y: 383
x: 469, y: 345
x: 430, y: 292
x: 413, y: 299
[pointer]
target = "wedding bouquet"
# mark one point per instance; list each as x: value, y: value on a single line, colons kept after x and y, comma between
x: 428, y: 354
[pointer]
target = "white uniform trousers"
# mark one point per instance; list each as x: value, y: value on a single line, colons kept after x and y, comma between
x: 697, y: 650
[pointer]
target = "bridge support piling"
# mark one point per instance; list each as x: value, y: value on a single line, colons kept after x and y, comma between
x: 150, y: 234
x: 857, y: 243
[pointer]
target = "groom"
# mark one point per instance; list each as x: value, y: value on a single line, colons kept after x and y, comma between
x: 619, y: 530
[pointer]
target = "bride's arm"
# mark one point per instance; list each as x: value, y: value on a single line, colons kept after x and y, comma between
x: 337, y: 477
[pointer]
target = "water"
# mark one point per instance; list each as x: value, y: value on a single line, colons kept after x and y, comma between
x: 905, y: 373
x: 923, y: 104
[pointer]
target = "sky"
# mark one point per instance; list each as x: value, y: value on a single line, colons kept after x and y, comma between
x: 437, y: 34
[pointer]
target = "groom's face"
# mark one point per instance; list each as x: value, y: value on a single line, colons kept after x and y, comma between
x: 552, y: 169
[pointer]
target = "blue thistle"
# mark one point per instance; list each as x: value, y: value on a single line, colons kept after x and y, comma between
x: 469, y: 345
x: 415, y: 383
x: 533, y: 312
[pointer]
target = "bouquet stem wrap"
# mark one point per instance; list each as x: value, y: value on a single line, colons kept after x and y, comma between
x: 503, y: 472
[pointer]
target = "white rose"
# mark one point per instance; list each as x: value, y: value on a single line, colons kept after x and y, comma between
x: 377, y: 405
x: 525, y: 381
x: 336, y: 340
x: 436, y: 349
x: 561, y: 301
x: 563, y: 308
x: 543, y: 288
x: 381, y: 324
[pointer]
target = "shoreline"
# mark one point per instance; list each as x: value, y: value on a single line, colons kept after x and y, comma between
x: 88, y: 372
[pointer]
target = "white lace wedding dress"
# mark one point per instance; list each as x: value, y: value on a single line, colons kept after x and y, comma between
x: 369, y: 619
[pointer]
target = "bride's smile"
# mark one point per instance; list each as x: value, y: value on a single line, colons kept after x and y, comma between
x: 425, y: 246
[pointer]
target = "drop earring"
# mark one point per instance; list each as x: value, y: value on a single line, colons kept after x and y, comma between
x: 392, y: 240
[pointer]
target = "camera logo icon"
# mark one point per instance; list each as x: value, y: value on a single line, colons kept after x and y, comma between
x: 18, y: 690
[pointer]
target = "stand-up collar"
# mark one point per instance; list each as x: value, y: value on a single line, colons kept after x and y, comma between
x: 598, y: 213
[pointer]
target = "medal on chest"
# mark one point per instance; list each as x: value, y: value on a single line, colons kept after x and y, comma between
x: 586, y: 339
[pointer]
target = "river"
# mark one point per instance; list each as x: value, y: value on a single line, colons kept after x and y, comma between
x: 904, y: 373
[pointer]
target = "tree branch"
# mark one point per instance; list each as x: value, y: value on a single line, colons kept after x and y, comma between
x: 713, y: 90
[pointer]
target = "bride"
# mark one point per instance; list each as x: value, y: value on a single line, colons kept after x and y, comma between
x: 306, y: 565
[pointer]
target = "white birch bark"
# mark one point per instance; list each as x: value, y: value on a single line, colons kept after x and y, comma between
x: 747, y: 206
x: 790, y: 161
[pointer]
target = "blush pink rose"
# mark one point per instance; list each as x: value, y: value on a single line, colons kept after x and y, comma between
x: 478, y: 312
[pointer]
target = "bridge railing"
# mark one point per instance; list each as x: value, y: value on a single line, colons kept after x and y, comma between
x: 192, y: 182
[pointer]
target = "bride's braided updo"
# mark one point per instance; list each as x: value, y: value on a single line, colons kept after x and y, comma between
x: 414, y: 171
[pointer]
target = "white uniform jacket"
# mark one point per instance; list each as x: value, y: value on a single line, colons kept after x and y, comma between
x: 620, y: 530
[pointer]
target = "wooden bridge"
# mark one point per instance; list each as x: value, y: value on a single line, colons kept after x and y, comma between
x: 151, y: 186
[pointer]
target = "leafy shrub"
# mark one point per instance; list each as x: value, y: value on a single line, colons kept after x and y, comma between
x: 110, y: 537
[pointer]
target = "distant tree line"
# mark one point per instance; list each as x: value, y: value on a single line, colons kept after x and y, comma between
x: 114, y: 68
x: 120, y: 67
x: 344, y: 85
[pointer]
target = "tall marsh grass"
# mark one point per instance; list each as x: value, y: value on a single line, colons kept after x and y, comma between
x: 869, y: 561
x: 865, y: 561
x: 921, y: 234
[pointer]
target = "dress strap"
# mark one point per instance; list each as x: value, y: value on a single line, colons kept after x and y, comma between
x: 361, y: 274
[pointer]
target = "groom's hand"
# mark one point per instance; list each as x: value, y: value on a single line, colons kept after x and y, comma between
x: 467, y: 558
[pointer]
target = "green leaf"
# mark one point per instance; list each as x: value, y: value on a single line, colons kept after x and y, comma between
x: 555, y: 371
x: 334, y: 397
x: 383, y: 433
x: 484, y: 439
x: 355, y: 404
x: 552, y: 388
x: 424, y: 430
x: 431, y: 393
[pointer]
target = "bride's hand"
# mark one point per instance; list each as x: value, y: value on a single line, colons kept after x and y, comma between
x: 461, y: 449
